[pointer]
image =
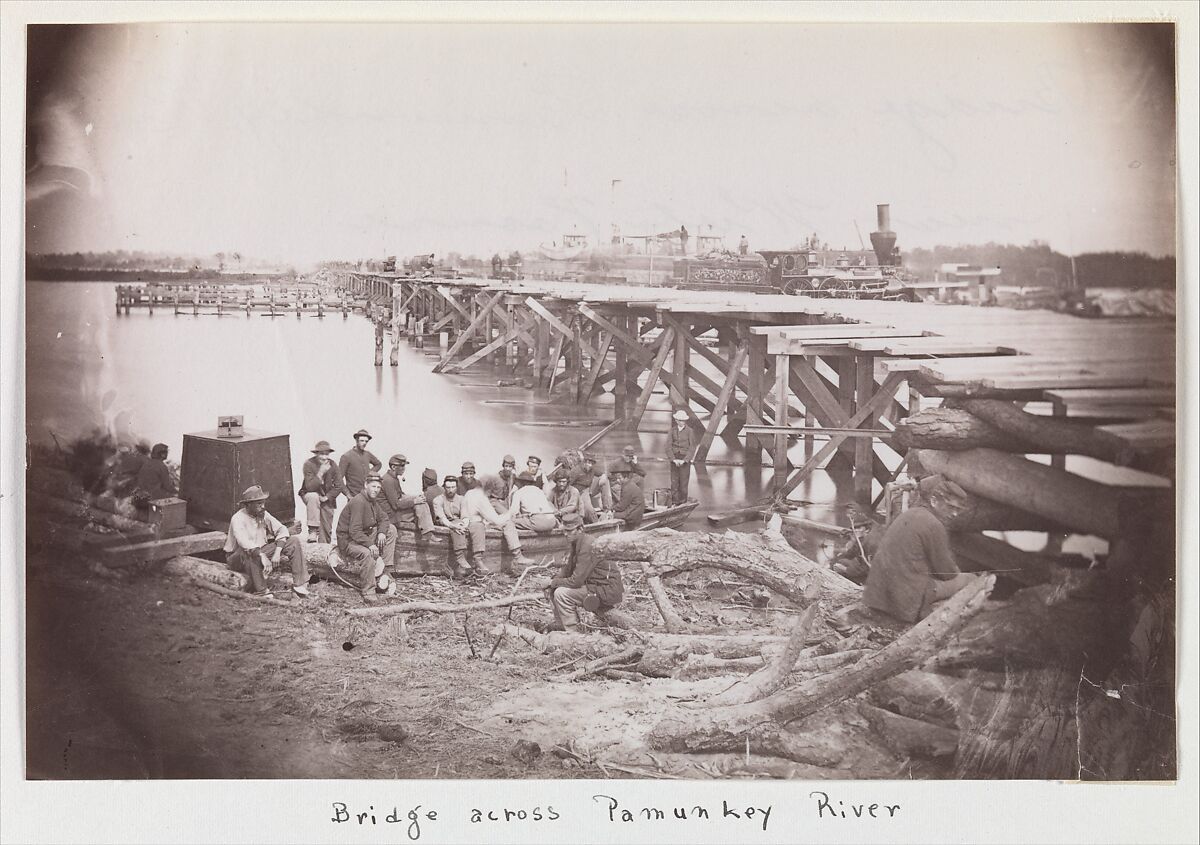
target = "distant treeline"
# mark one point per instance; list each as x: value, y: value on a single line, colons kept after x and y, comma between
x: 38, y: 264
x: 64, y: 274
x: 1038, y: 264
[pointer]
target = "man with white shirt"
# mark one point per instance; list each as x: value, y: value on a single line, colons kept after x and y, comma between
x: 530, y: 509
x: 257, y: 542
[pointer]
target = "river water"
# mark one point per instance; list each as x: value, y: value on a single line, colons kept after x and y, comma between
x: 160, y: 376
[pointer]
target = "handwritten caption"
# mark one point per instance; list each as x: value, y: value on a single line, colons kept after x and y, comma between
x: 419, y: 819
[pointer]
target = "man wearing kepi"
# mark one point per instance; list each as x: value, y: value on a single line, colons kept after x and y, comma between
x: 681, y: 444
x: 358, y: 463
x: 584, y: 581
x: 366, y: 537
x: 257, y: 542
x: 914, y: 567
x: 407, y: 513
x: 631, y: 502
x: 319, y: 490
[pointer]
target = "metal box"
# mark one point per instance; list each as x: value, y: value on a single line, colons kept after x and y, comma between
x: 214, y: 471
x: 169, y: 514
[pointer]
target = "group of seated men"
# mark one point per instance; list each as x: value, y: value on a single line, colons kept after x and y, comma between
x: 576, y: 493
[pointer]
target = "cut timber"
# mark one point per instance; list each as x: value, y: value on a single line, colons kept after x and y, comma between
x: 724, y: 728
x: 764, y: 558
x: 728, y: 645
x: 1042, y: 434
x: 186, y: 566
x: 1140, y: 437
x: 1084, y: 506
x: 439, y: 607
x: 910, y: 737
x: 978, y: 552
x: 736, y: 517
x: 954, y: 429
x: 133, y: 553
x: 774, y: 675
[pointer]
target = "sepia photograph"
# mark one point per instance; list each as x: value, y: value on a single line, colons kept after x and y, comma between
x: 602, y: 401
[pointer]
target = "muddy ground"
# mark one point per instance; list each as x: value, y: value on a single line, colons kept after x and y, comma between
x: 152, y: 677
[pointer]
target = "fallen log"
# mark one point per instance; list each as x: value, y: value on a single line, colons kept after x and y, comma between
x: 629, y: 655
x: 186, y: 566
x: 155, y: 550
x: 1043, y: 626
x: 1048, y: 434
x: 236, y: 594
x: 774, y: 675
x: 697, y: 666
x: 443, y: 607
x: 764, y: 558
x: 729, y: 645
x: 980, y: 553
x: 1077, y: 503
x: 671, y: 618
x: 724, y: 727
x: 910, y: 737
x: 953, y: 429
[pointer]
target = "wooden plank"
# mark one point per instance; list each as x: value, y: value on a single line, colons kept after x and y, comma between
x: 802, y: 430
x: 132, y: 553
x: 1049, y: 381
x: 589, y: 384
x: 864, y: 448
x: 559, y: 326
x: 846, y: 330
x: 940, y: 346
x: 1144, y: 436
x: 780, y: 445
x: 1114, y: 396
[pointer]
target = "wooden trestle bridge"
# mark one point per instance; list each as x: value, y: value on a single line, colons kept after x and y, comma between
x: 770, y: 368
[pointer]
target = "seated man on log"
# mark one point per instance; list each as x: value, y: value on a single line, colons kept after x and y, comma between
x: 448, y: 512
x: 257, y: 542
x: 366, y: 537
x: 319, y: 490
x: 407, y: 513
x: 153, y: 478
x: 530, y: 509
x: 500, y: 492
x: 631, y: 501
x: 584, y: 581
x: 567, y: 501
x: 914, y: 567
x: 466, y: 479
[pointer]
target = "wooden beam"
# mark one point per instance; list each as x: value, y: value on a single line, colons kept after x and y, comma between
x: 887, y: 389
x: 555, y: 323
x: 468, y: 333
x: 864, y: 448
x: 779, y: 452
x: 598, y: 361
x: 727, y: 391
x: 639, y: 407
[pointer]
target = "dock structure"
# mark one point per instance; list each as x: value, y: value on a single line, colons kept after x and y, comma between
x: 775, y: 369
x: 231, y: 299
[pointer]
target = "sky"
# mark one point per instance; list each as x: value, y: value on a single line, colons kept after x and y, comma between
x: 307, y: 142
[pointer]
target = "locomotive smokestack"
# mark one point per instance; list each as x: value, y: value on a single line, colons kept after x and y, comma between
x: 884, y: 240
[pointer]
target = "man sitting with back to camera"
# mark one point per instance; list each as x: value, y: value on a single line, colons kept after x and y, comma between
x: 530, y: 509
x: 914, y: 567
x: 366, y: 537
x: 584, y: 581
x: 257, y: 542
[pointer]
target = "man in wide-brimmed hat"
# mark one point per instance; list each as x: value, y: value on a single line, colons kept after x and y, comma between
x: 407, y: 513
x: 319, y: 490
x: 631, y: 502
x: 681, y: 443
x: 358, y: 463
x: 366, y: 538
x: 914, y: 567
x: 258, y: 542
